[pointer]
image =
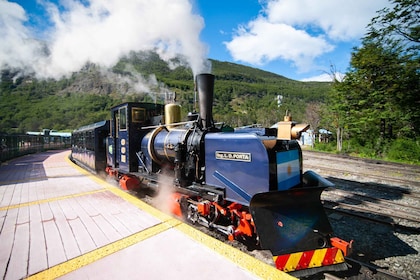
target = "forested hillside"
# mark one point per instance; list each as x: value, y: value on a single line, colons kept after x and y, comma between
x: 373, y: 111
x: 243, y: 95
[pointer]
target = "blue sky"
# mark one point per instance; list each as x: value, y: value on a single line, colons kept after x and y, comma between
x: 299, y: 39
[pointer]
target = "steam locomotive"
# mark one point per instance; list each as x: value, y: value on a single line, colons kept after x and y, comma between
x: 246, y: 183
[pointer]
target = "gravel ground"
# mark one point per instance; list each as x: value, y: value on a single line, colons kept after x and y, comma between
x: 393, y: 250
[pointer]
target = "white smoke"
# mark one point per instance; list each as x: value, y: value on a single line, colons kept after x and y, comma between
x: 136, y: 82
x: 164, y: 198
x: 99, y: 32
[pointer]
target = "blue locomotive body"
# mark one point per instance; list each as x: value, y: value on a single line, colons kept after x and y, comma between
x: 239, y: 163
x: 246, y: 184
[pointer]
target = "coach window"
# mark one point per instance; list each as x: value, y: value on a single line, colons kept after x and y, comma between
x: 138, y: 115
x: 123, y: 118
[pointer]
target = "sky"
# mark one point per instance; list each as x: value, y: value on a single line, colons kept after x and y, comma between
x: 298, y: 39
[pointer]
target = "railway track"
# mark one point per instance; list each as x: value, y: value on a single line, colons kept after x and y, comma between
x: 364, y: 170
x: 409, y: 180
x: 398, y: 215
x: 361, y: 270
x: 395, y: 200
x: 381, y: 190
x: 378, y: 205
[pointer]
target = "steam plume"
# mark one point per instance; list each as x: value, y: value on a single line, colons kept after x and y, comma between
x: 99, y: 32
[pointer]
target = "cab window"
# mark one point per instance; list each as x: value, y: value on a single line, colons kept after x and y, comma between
x: 138, y: 115
x: 123, y: 118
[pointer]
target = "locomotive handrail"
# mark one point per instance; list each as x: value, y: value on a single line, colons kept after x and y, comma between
x: 169, y: 124
x: 142, y: 162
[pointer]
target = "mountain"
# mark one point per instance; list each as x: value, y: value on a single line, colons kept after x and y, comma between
x: 243, y: 95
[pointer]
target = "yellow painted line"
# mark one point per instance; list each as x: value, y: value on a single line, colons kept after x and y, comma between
x: 49, y: 200
x: 123, y: 194
x: 241, y: 259
x: 95, y: 255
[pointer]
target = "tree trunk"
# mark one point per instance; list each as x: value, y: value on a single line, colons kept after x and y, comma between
x: 339, y: 139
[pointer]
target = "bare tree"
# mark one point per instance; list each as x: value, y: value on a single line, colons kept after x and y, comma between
x: 313, y: 116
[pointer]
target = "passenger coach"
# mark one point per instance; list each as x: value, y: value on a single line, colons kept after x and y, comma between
x: 89, y: 146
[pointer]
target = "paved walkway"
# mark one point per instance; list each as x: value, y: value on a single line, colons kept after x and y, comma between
x: 58, y: 221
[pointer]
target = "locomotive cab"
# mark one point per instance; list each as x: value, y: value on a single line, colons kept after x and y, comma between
x: 127, y: 122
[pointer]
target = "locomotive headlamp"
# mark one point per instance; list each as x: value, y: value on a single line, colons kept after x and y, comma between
x: 297, y: 130
x: 288, y: 130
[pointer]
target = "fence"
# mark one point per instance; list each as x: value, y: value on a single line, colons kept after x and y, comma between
x: 12, y: 146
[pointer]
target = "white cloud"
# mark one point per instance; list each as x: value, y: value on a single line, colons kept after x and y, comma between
x: 101, y: 32
x: 263, y: 41
x: 299, y: 31
x: 324, y: 78
x: 337, y: 19
x: 17, y: 47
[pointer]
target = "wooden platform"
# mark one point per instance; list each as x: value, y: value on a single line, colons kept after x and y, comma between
x: 57, y: 220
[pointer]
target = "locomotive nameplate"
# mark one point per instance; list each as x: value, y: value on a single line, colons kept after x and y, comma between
x: 236, y: 156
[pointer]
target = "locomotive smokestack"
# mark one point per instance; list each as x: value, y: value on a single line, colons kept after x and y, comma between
x: 205, y: 87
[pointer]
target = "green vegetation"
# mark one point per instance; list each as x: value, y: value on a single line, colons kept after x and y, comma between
x: 373, y: 112
x: 375, y: 109
x: 243, y: 95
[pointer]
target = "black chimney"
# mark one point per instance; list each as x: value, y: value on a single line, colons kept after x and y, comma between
x: 205, y: 87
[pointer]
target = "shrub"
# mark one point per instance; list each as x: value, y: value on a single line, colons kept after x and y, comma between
x: 406, y: 150
x: 326, y: 147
